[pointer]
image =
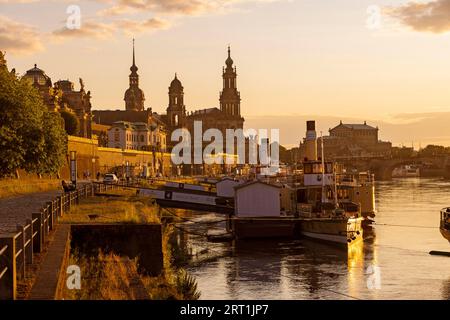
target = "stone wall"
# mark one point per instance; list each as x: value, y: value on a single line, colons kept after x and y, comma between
x: 133, y: 240
x: 92, y: 158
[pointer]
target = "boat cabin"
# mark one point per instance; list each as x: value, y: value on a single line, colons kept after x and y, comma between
x: 313, y: 173
x: 225, y: 187
x: 257, y: 199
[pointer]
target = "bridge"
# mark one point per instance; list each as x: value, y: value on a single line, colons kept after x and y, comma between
x: 382, y: 168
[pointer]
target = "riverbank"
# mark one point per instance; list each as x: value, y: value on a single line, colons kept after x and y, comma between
x: 117, y: 276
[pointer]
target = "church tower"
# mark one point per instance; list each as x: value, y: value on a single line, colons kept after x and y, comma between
x: 176, y: 111
x: 134, y: 96
x: 230, y: 99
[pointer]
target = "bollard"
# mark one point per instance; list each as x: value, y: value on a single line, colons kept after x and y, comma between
x: 38, y: 239
x: 8, y: 281
x: 20, y: 246
x: 29, y: 246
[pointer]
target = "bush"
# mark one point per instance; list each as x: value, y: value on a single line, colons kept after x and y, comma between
x: 71, y: 123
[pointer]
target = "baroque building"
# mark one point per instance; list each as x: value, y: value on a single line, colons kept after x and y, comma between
x: 134, y: 96
x: 351, y: 141
x: 226, y: 116
x: 62, y: 96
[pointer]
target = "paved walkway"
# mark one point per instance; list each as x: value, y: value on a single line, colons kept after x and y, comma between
x: 17, y: 210
x: 46, y: 284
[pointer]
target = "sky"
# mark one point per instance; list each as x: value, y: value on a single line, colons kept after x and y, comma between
x: 386, y: 62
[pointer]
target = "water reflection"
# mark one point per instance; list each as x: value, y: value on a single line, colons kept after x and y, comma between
x: 303, y: 269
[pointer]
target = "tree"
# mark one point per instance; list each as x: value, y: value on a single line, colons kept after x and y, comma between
x: 71, y: 123
x: 55, y: 149
x: 23, y: 130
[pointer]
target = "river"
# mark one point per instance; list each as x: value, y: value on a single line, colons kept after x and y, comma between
x: 393, y: 262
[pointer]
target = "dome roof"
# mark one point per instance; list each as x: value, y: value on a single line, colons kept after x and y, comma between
x: 38, y: 76
x: 229, y: 61
x: 176, y: 84
x: 134, y: 92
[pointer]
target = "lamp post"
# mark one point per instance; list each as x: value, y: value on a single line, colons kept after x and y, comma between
x: 73, y: 167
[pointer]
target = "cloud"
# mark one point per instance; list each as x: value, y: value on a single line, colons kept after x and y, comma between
x: 102, y: 31
x: 88, y: 29
x: 184, y: 7
x: 175, y: 7
x: 433, y: 17
x: 19, y: 38
x: 131, y: 27
x: 18, y: 1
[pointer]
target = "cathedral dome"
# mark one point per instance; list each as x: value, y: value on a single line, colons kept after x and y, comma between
x: 38, y: 76
x: 176, y: 84
x: 229, y: 61
x: 135, y: 93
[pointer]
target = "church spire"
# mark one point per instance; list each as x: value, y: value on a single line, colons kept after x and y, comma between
x: 134, y: 60
x: 230, y: 98
x: 134, y: 97
x: 134, y: 68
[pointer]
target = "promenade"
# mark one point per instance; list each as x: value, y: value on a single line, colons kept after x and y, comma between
x: 16, y: 210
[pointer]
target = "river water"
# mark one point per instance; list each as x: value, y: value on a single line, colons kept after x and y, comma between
x: 393, y: 262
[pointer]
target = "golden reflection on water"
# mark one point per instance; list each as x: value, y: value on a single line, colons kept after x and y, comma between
x: 355, y: 267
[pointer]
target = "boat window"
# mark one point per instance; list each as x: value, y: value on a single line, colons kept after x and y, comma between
x: 307, y: 168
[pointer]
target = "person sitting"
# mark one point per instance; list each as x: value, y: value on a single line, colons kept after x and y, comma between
x: 68, y: 186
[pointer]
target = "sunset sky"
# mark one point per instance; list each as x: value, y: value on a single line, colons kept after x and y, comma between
x: 296, y: 59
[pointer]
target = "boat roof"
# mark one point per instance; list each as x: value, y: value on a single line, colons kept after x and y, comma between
x: 244, y: 185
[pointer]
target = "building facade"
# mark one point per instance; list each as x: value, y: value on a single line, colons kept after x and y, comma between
x: 226, y: 116
x: 63, y: 96
x: 137, y: 136
x: 351, y: 141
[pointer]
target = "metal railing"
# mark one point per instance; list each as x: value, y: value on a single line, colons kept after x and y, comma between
x: 17, y: 249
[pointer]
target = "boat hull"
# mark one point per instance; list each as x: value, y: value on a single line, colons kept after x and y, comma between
x: 253, y: 228
x: 445, y: 233
x: 339, y: 231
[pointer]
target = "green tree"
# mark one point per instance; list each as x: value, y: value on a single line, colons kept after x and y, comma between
x: 55, y: 148
x: 71, y: 123
x: 23, y: 142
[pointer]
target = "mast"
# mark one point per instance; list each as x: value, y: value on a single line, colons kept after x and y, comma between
x: 324, y: 197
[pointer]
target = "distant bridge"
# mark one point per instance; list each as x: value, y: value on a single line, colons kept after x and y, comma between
x: 382, y: 168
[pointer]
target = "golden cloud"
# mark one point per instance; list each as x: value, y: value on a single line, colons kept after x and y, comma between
x: 433, y: 17
x: 28, y: 42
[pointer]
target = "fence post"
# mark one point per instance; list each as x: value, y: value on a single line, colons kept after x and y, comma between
x: 44, y: 225
x: 29, y: 248
x: 50, y: 214
x: 60, y: 205
x: 20, y: 262
x: 38, y: 239
x: 9, y: 281
x: 69, y: 203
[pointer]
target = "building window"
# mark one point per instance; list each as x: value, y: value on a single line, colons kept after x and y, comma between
x: 142, y: 138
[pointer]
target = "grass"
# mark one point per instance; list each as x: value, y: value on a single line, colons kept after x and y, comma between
x: 114, y: 209
x: 114, y: 277
x: 17, y: 187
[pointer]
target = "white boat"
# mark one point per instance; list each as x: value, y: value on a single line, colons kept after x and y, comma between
x: 406, y: 171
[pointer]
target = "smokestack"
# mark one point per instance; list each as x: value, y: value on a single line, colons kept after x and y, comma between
x: 311, y: 141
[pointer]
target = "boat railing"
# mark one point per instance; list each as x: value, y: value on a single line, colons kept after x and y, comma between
x: 445, y: 218
x: 355, y: 179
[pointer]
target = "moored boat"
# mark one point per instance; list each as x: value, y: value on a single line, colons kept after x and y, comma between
x: 339, y: 231
x: 445, y: 223
x: 406, y: 171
